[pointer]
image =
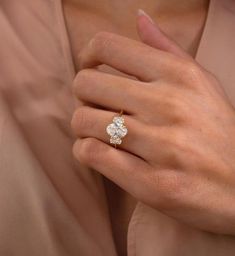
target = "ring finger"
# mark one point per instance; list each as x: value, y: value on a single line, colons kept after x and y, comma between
x: 91, y: 122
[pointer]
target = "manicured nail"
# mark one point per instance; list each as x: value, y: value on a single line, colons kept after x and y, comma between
x: 143, y: 13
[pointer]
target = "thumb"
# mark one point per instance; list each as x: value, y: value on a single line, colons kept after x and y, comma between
x: 152, y: 35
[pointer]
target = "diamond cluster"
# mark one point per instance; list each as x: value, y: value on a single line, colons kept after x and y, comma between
x: 117, y: 130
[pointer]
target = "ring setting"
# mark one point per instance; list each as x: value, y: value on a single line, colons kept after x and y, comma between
x: 117, y: 130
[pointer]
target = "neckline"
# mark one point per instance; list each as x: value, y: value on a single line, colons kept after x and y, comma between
x: 204, y: 30
x: 66, y: 44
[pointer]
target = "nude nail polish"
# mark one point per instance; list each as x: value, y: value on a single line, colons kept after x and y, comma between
x: 143, y: 13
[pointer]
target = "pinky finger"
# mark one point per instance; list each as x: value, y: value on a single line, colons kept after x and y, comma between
x: 126, y: 170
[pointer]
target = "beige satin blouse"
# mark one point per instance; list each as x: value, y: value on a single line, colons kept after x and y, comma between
x: 50, y: 205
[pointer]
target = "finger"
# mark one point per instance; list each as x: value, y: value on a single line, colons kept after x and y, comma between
x: 110, y: 91
x: 151, y: 34
x: 127, y: 55
x: 124, y: 169
x: 153, y: 104
x: 91, y: 122
x: 141, y: 140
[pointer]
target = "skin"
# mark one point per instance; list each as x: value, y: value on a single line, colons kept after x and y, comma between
x: 86, y: 18
x: 176, y: 162
x: 176, y: 18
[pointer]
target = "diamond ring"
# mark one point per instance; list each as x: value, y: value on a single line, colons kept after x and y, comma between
x: 117, y: 130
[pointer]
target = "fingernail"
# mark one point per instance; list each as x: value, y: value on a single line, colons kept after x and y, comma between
x: 143, y: 13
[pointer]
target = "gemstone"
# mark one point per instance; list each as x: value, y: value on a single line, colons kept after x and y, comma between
x: 115, y: 140
x: 121, y: 131
x: 111, y: 129
x: 117, y: 130
x: 118, y: 120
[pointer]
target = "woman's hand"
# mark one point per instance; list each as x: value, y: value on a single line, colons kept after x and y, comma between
x: 179, y: 154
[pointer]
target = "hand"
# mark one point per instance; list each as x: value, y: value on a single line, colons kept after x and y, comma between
x: 179, y: 154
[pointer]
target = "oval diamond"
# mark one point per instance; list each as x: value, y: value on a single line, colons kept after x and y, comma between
x: 117, y: 130
x: 111, y: 129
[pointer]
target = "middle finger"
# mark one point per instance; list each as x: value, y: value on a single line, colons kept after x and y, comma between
x: 110, y: 91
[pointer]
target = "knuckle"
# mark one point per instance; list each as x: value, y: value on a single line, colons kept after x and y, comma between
x: 85, y: 151
x: 80, y: 120
x: 193, y: 72
x: 189, y: 72
x: 81, y: 80
x: 83, y: 75
x: 101, y: 41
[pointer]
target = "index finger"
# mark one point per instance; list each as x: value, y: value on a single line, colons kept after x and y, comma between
x: 126, y: 55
